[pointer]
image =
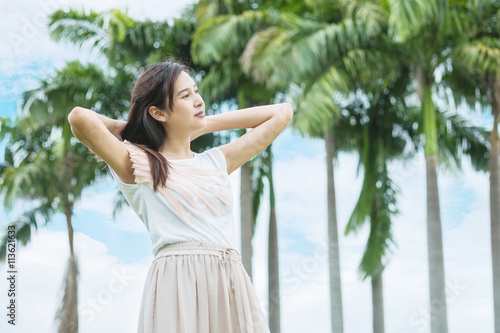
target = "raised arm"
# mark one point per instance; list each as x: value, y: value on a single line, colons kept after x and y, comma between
x: 267, y: 122
x: 101, y: 135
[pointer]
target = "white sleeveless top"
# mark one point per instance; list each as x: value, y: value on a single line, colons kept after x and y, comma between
x: 196, y: 204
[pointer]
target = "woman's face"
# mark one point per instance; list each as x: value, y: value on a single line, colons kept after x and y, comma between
x: 187, y: 102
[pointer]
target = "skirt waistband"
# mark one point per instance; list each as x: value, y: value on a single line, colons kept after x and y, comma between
x: 181, y: 248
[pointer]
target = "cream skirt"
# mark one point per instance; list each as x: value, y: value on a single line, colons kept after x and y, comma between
x: 199, y: 287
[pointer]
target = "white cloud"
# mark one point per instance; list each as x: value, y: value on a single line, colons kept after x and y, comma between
x: 301, y: 202
x: 100, y: 199
x: 29, y: 54
x: 26, y: 22
x: 107, y: 286
x: 304, y: 271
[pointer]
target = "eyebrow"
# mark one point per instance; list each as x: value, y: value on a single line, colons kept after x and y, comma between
x: 183, y: 90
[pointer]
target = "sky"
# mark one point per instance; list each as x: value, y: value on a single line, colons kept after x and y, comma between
x: 114, y: 254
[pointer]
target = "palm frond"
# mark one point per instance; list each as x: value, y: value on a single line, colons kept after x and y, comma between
x: 468, y: 87
x: 33, y: 178
x: 377, y: 203
x: 482, y: 55
x: 261, y: 56
x: 299, y: 48
x: 205, y: 10
x: 118, y: 204
x: 407, y: 17
x: 457, y: 138
x: 370, y: 14
x: 219, y: 83
x: 23, y: 225
x: 318, y: 110
x: 378, y: 244
x: 80, y: 28
x: 225, y: 35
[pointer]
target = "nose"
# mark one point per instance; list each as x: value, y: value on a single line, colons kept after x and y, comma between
x: 199, y: 101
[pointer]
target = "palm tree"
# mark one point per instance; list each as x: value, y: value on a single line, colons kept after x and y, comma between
x: 326, y: 56
x: 476, y: 69
x: 317, y: 55
x: 70, y: 26
x: 225, y: 83
x: 127, y: 47
x: 48, y: 169
x: 118, y: 40
x: 383, y: 130
x: 426, y: 32
x: 377, y: 203
x: 123, y: 42
x: 219, y: 41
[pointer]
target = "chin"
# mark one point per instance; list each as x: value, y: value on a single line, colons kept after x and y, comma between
x: 204, y: 122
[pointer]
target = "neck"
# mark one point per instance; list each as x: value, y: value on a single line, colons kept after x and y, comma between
x: 177, y: 147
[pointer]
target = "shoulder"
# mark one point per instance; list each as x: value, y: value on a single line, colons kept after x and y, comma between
x: 217, y: 157
x: 141, y: 170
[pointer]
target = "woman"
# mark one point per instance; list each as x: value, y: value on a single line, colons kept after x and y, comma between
x: 196, y: 282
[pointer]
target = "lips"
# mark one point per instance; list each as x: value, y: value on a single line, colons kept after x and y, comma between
x: 200, y: 114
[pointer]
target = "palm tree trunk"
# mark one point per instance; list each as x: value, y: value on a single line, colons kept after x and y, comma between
x: 378, y: 303
x: 246, y: 217
x: 274, y: 285
x: 67, y: 314
x: 439, y: 323
x: 438, y: 306
x: 246, y: 202
x: 437, y: 291
x: 495, y: 199
x: 336, y: 315
x: 68, y: 214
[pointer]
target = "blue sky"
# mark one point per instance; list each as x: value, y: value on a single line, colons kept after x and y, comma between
x: 106, y: 247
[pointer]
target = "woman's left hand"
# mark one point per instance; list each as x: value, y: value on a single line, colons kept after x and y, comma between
x: 118, y: 127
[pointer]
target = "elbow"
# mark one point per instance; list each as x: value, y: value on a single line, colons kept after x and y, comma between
x: 74, y: 115
x: 287, y: 111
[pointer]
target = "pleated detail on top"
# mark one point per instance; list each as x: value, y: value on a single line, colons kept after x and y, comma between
x: 182, y: 177
x: 199, y: 287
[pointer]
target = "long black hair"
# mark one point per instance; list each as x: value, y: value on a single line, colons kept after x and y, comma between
x: 155, y: 87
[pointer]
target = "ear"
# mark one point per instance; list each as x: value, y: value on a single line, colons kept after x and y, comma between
x: 157, y: 114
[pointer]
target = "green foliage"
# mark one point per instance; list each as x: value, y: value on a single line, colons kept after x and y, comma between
x: 481, y: 55
x: 225, y: 35
x: 457, y: 138
x: 408, y: 17
x: 385, y: 130
x: 297, y: 48
x: 43, y: 169
x: 345, y: 59
x: 317, y: 110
